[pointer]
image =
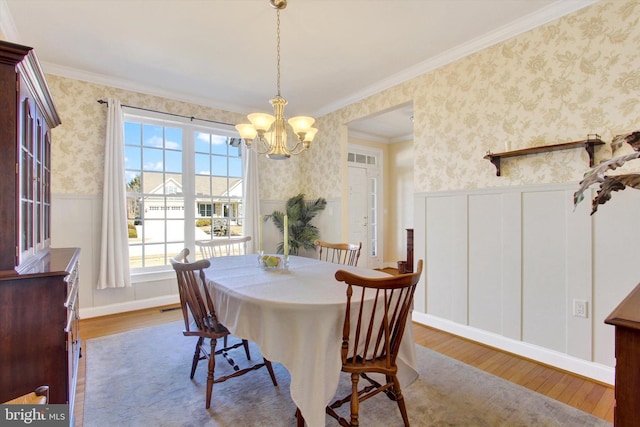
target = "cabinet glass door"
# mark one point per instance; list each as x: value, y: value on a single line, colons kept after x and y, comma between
x: 26, y: 190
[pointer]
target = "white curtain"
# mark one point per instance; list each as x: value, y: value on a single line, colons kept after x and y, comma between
x: 251, y: 197
x: 114, y: 248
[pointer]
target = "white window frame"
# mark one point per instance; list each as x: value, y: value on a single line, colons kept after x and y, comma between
x: 189, y: 129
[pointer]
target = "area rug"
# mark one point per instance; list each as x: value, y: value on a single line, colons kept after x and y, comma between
x: 141, y: 378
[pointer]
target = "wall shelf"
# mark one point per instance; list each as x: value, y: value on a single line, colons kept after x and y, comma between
x: 588, y: 144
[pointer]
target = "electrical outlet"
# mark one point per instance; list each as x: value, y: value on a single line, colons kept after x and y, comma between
x: 580, y: 308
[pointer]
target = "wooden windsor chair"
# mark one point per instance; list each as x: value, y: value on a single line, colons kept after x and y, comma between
x: 339, y: 253
x: 203, y: 323
x: 371, y: 340
x: 223, y: 246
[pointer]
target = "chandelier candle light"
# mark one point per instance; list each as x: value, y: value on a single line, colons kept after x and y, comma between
x: 272, y: 141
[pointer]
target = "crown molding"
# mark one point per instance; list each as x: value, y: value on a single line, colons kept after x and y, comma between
x: 554, y: 11
x: 545, y: 15
x: 119, y: 83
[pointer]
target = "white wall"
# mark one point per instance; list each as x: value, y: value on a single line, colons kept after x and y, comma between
x: 503, y: 266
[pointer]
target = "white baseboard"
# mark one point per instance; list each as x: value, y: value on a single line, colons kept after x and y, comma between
x: 596, y: 371
x: 128, y: 306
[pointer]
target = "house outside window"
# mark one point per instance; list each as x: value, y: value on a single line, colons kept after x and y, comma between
x: 184, y: 183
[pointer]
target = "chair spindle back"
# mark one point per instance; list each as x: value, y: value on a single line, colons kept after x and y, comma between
x: 339, y: 253
x: 376, y: 334
x: 194, y: 294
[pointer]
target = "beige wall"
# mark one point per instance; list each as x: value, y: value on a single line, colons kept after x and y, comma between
x: 556, y: 83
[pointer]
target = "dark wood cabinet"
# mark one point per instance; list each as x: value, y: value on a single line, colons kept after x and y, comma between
x: 626, y: 319
x: 26, y: 119
x: 39, y: 342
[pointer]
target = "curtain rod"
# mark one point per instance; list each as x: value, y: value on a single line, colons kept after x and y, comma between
x: 102, y: 101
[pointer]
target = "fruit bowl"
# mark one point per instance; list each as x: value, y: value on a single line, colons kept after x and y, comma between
x: 271, y: 262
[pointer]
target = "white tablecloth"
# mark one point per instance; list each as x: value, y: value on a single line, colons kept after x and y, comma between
x: 296, y: 318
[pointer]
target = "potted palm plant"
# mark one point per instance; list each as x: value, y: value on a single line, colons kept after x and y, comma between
x: 301, y: 232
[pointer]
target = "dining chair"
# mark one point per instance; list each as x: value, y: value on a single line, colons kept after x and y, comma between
x: 39, y: 396
x: 223, y: 246
x: 203, y: 323
x: 371, y: 340
x: 339, y: 253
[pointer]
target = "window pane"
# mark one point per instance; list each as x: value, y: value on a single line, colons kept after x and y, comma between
x: 203, y: 185
x: 152, y: 136
x: 154, y: 255
x: 173, y: 161
x: 203, y: 166
x: 132, y: 133
x: 173, y: 184
x: 135, y: 255
x: 152, y: 183
x: 235, y: 150
x: 203, y: 144
x: 235, y: 167
x: 132, y: 157
x: 219, y: 165
x: 154, y: 229
x: 219, y: 186
x: 152, y: 159
x: 173, y: 138
x: 219, y: 145
x: 175, y: 230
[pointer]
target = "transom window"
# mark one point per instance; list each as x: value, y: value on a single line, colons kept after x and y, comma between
x: 184, y: 183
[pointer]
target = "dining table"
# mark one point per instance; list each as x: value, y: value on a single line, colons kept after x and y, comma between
x: 295, y: 314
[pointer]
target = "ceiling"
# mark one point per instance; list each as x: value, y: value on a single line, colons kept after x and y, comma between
x: 222, y: 53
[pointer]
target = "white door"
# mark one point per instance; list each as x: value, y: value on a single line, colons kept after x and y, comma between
x: 358, y: 211
x: 364, y: 205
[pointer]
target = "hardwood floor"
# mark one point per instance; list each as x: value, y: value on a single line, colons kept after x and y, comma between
x: 587, y: 395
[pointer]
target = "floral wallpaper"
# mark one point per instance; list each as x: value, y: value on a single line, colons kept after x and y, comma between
x: 557, y: 83
x: 78, y: 144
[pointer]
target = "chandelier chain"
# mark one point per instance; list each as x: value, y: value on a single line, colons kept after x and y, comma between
x: 278, y: 48
x: 270, y: 131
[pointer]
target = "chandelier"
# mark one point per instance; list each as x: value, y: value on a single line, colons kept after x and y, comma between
x: 271, y: 131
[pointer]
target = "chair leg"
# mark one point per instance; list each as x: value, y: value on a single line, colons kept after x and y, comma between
x: 299, y: 418
x: 196, y: 357
x: 400, y: 401
x: 354, y: 399
x: 270, y: 369
x: 245, y: 343
x: 212, y: 367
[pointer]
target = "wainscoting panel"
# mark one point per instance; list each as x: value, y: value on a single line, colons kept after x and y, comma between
x: 73, y: 224
x: 544, y: 274
x: 486, y: 299
x: 616, y: 269
x: 506, y: 265
x: 446, y: 248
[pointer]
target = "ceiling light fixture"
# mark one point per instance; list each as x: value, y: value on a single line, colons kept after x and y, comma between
x: 272, y: 141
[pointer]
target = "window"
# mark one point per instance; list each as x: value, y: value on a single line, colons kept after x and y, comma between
x: 184, y: 183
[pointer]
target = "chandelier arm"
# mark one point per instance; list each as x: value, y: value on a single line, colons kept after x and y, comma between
x: 297, y: 149
x: 262, y: 147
